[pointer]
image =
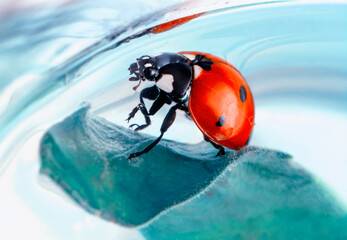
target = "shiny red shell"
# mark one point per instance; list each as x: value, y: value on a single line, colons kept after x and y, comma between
x: 221, y: 103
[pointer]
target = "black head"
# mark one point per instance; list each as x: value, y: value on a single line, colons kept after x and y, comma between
x: 145, y: 68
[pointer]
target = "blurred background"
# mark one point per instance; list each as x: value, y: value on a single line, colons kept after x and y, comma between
x: 55, y: 56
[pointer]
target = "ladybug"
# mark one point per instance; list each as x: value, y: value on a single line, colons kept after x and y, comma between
x: 205, y: 87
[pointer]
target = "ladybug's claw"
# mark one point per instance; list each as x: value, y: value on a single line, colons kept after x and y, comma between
x: 131, y: 115
x: 221, y: 153
x: 138, y: 127
x: 133, y: 155
x: 128, y: 119
x: 134, y: 111
x: 133, y: 125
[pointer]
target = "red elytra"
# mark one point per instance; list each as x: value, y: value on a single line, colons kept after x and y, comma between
x: 221, y: 103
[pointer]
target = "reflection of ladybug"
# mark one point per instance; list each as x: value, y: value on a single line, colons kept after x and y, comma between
x: 206, y: 87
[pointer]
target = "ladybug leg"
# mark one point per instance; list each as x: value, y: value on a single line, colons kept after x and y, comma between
x: 157, y: 104
x: 217, y: 146
x: 150, y: 93
x: 168, y: 121
x: 185, y: 108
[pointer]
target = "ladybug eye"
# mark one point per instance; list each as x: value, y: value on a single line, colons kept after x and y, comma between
x: 150, y: 73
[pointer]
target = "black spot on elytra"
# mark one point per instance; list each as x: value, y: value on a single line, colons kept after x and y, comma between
x: 221, y: 121
x: 243, y: 93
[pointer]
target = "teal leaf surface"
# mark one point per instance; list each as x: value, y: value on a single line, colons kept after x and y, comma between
x: 250, y: 194
x: 264, y: 195
x: 87, y: 156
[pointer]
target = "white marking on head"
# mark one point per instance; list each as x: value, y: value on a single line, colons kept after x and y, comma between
x: 148, y: 65
x: 165, y: 83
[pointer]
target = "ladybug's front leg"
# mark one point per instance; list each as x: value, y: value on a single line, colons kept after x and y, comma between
x: 143, y: 109
x: 157, y: 104
x: 150, y: 93
x: 217, y: 146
